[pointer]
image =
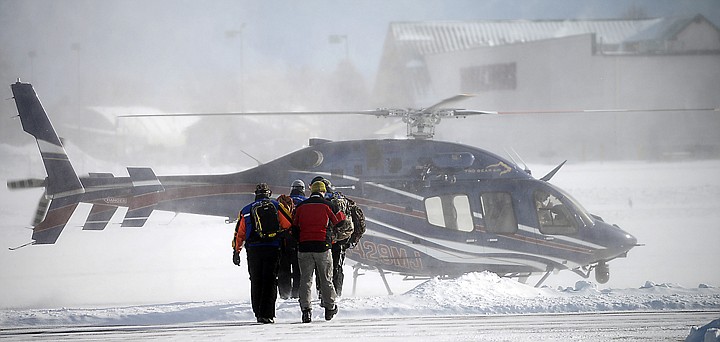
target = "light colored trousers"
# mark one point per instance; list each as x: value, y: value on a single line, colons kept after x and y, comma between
x: 322, y: 264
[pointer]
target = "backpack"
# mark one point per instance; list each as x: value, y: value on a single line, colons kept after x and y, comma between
x: 265, y: 217
x: 344, y: 229
x: 358, y: 218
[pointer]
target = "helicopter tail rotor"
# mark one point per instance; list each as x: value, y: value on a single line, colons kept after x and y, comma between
x: 26, y: 183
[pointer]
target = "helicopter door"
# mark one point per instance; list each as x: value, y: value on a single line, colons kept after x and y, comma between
x: 500, y: 223
x: 498, y: 213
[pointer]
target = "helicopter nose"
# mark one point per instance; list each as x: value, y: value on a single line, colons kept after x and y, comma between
x: 625, y: 242
x: 618, y: 243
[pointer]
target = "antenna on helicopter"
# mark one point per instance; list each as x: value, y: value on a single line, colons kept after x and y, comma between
x: 527, y: 169
x: 249, y: 155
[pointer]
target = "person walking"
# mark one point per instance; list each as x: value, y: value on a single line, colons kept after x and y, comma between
x: 341, y: 235
x: 312, y: 227
x: 259, y: 227
x: 289, y: 272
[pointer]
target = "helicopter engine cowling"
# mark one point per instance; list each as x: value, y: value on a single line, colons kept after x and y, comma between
x: 446, y: 165
x: 453, y: 161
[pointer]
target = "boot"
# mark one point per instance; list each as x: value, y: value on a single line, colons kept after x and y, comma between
x: 265, y: 320
x: 330, y: 313
x: 307, y: 315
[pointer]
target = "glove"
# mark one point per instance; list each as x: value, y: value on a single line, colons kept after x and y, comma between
x: 236, y: 258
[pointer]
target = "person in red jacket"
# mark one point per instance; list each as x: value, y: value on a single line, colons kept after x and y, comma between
x: 312, y: 226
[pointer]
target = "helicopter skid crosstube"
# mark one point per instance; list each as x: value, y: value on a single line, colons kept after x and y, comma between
x: 432, y: 208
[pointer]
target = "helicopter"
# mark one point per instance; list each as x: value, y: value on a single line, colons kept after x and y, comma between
x: 432, y: 208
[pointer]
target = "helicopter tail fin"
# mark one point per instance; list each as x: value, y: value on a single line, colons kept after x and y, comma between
x: 62, y: 185
x: 62, y: 179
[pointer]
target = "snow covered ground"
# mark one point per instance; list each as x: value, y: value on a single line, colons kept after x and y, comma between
x: 474, y: 307
x: 174, y: 277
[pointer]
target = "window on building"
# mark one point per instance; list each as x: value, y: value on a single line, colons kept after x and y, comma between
x: 488, y: 77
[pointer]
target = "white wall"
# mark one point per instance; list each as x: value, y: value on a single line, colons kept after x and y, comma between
x: 564, y: 74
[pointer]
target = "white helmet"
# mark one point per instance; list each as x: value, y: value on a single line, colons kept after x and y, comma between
x: 298, y: 184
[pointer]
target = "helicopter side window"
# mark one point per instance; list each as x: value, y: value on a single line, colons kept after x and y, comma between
x: 450, y: 211
x: 498, y: 212
x: 554, y: 217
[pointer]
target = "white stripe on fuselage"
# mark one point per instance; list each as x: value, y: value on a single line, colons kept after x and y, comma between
x: 462, y: 252
x: 530, y: 230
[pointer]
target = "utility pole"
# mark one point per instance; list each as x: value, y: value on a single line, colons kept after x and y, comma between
x: 32, y: 54
x: 340, y: 38
x: 76, y: 47
x: 232, y: 34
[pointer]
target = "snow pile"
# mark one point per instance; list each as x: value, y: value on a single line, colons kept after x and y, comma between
x: 472, y: 294
x: 707, y: 333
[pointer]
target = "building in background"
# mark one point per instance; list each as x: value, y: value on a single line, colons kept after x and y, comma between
x: 568, y: 65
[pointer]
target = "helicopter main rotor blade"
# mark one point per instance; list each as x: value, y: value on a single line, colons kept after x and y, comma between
x: 448, y: 101
x: 365, y: 112
x: 438, y: 106
x: 566, y: 111
x: 467, y: 112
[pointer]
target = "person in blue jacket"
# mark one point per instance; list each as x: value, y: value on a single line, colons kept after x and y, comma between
x: 263, y: 254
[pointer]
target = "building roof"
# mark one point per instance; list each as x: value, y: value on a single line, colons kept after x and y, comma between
x: 446, y: 36
x: 667, y: 28
x: 403, y: 76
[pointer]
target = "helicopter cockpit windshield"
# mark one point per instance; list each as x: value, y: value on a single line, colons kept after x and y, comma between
x: 559, y: 213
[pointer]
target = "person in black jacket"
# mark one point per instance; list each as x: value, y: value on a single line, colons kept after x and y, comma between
x: 312, y: 226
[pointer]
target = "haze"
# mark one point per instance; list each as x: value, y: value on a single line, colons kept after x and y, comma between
x: 225, y: 56
x: 84, y: 56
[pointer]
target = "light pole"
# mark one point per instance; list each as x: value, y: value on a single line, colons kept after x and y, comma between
x: 231, y: 34
x: 340, y: 38
x: 76, y: 47
x: 32, y: 54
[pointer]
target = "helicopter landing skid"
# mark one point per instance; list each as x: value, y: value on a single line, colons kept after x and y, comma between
x: 356, y: 273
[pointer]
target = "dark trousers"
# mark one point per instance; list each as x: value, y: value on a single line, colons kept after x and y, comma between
x: 338, y: 256
x: 289, y: 272
x: 263, y: 267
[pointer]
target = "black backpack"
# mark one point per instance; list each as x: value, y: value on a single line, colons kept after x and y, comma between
x: 265, y: 217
